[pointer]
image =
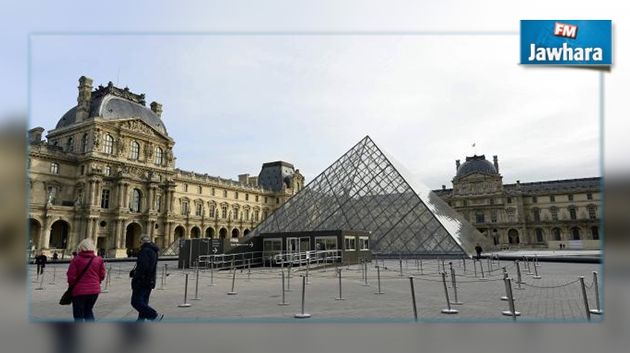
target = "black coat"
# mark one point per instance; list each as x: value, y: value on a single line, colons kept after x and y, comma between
x: 146, y: 267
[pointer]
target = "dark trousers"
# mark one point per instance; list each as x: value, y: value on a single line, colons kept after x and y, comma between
x: 140, y: 302
x: 40, y: 269
x: 82, y: 306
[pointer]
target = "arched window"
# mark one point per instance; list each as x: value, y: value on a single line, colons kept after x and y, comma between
x: 556, y: 234
x: 70, y: 145
x: 159, y: 158
x: 135, y: 200
x: 108, y: 144
x: 575, y: 233
x: 135, y: 150
x: 84, y: 143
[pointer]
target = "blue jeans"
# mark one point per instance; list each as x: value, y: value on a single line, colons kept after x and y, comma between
x: 140, y: 302
x: 82, y: 306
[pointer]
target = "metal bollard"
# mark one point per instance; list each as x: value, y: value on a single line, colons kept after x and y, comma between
x: 340, y: 292
x: 464, y: 263
x: 400, y: 265
x: 54, y: 275
x: 413, y: 299
x: 417, y: 266
x: 308, y: 262
x: 378, y: 277
x: 448, y: 309
x: 505, y: 276
x: 196, y: 284
x: 512, y: 310
x: 519, y: 278
x: 454, y: 284
x: 483, y: 277
x: 421, y: 270
x: 212, y: 272
x: 249, y: 269
x: 303, y: 315
x: 588, y: 311
x: 597, y: 311
x: 443, y: 267
x: 365, y: 275
x: 283, y: 295
x: 41, y: 282
x: 489, y: 263
x: 185, y: 304
x: 475, y: 266
x: 232, y: 292
x: 289, y: 278
x: 437, y: 260
x: 529, y: 270
x: 536, y: 276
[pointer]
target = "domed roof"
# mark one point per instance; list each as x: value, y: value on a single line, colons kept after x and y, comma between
x: 476, y: 164
x: 108, y: 104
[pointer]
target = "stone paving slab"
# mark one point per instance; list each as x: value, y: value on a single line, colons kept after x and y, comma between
x: 555, y: 297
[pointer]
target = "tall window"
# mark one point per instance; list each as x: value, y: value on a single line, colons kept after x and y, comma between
x: 509, y: 200
x: 108, y: 144
x: 54, y: 168
x: 552, y: 198
x: 246, y: 197
x: 185, y: 187
x: 70, y: 145
x: 595, y: 233
x: 184, y: 207
x: 224, y: 193
x: 213, y: 191
x: 105, y: 198
x: 246, y: 215
x: 493, y: 216
x: 592, y: 213
x: 256, y: 215
x: 224, y: 211
x: 554, y: 213
x: 589, y: 196
x: 575, y: 233
x: 236, y: 195
x: 570, y: 197
x: 536, y: 215
x: 534, y: 199
x: 235, y: 213
x: 556, y: 234
x: 539, y: 235
x: 84, y: 143
x: 256, y: 198
x: 572, y: 213
x: 198, y: 209
x: 158, y: 203
x: 135, y: 150
x: 200, y: 190
x: 159, y: 157
x: 211, y: 211
x: 135, y: 200
x: 480, y: 217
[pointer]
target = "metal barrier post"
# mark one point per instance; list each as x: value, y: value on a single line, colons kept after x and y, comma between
x: 536, y: 276
x: 529, y: 270
x: 365, y: 275
x: 505, y: 276
x: 232, y: 292
x: 448, y: 309
x: 185, y: 304
x: 519, y: 278
x: 413, y: 299
x: 454, y: 284
x: 443, y: 267
x: 308, y: 267
x: 54, y: 275
x: 289, y: 277
x: 464, y: 263
x: 303, y: 315
x: 475, y: 266
x: 483, y: 277
x: 597, y: 311
x: 196, y: 284
x: 212, y: 271
x: 400, y: 264
x: 41, y: 282
x: 340, y: 292
x: 588, y: 311
x: 512, y: 311
x: 489, y: 263
x: 249, y: 268
x: 283, y: 296
x: 421, y: 270
x: 378, y: 278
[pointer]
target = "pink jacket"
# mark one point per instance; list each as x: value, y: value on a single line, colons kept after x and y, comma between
x: 90, y: 283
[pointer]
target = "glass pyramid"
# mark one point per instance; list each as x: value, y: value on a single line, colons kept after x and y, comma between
x: 367, y: 190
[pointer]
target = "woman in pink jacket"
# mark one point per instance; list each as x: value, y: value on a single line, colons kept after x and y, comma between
x: 86, y: 290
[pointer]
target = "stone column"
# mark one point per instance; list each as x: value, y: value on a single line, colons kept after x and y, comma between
x: 168, y: 233
x: 88, y: 232
x: 119, y: 194
x: 121, y: 233
x: 44, y: 234
x: 94, y: 230
x: 90, y: 193
x: 126, y: 196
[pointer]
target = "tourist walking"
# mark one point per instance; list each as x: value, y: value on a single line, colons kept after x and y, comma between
x: 143, y: 280
x: 86, y: 272
x: 478, y: 250
x: 40, y: 261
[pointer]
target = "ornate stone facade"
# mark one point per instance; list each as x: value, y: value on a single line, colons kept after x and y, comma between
x: 547, y: 214
x: 107, y: 171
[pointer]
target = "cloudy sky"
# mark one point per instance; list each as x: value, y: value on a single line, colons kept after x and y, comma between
x: 232, y: 102
x: 424, y: 81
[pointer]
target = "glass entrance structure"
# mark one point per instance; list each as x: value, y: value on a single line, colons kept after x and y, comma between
x: 367, y: 190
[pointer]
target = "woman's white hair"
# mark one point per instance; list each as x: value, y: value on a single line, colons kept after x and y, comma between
x: 86, y: 245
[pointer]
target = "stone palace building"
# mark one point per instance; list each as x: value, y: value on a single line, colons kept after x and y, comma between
x: 542, y: 214
x: 107, y: 171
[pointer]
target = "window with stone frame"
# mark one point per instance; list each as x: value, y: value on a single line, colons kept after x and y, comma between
x: 536, y: 212
x: 256, y: 215
x: 158, y: 156
x: 105, y: 198
x: 246, y: 215
x: 84, y: 143
x: 211, y: 211
x: 480, y: 217
x: 136, y: 200
x: 572, y: 213
x: 589, y: 196
x: 70, y: 144
x: 539, y: 235
x: 592, y: 212
x: 158, y: 203
x: 108, y: 144
x: 135, y: 150
x: 54, y: 168
x: 224, y: 211
x: 184, y: 207
x: 554, y: 213
x: 198, y: 209
x: 552, y: 198
x: 493, y: 216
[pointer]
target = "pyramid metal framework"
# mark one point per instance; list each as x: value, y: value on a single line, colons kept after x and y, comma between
x: 365, y: 190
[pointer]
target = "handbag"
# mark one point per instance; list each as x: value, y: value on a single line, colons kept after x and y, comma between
x: 66, y: 297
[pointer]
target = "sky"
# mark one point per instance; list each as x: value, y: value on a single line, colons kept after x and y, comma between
x: 308, y: 98
x: 232, y: 102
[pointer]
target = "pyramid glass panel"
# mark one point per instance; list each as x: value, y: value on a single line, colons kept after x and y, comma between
x: 367, y: 190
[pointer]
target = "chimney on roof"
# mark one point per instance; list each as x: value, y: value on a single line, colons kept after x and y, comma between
x: 456, y: 165
x: 496, y: 162
x: 35, y: 134
x: 157, y: 109
x: 84, y: 98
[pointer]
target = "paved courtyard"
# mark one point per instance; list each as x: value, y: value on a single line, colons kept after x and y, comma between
x: 556, y: 296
